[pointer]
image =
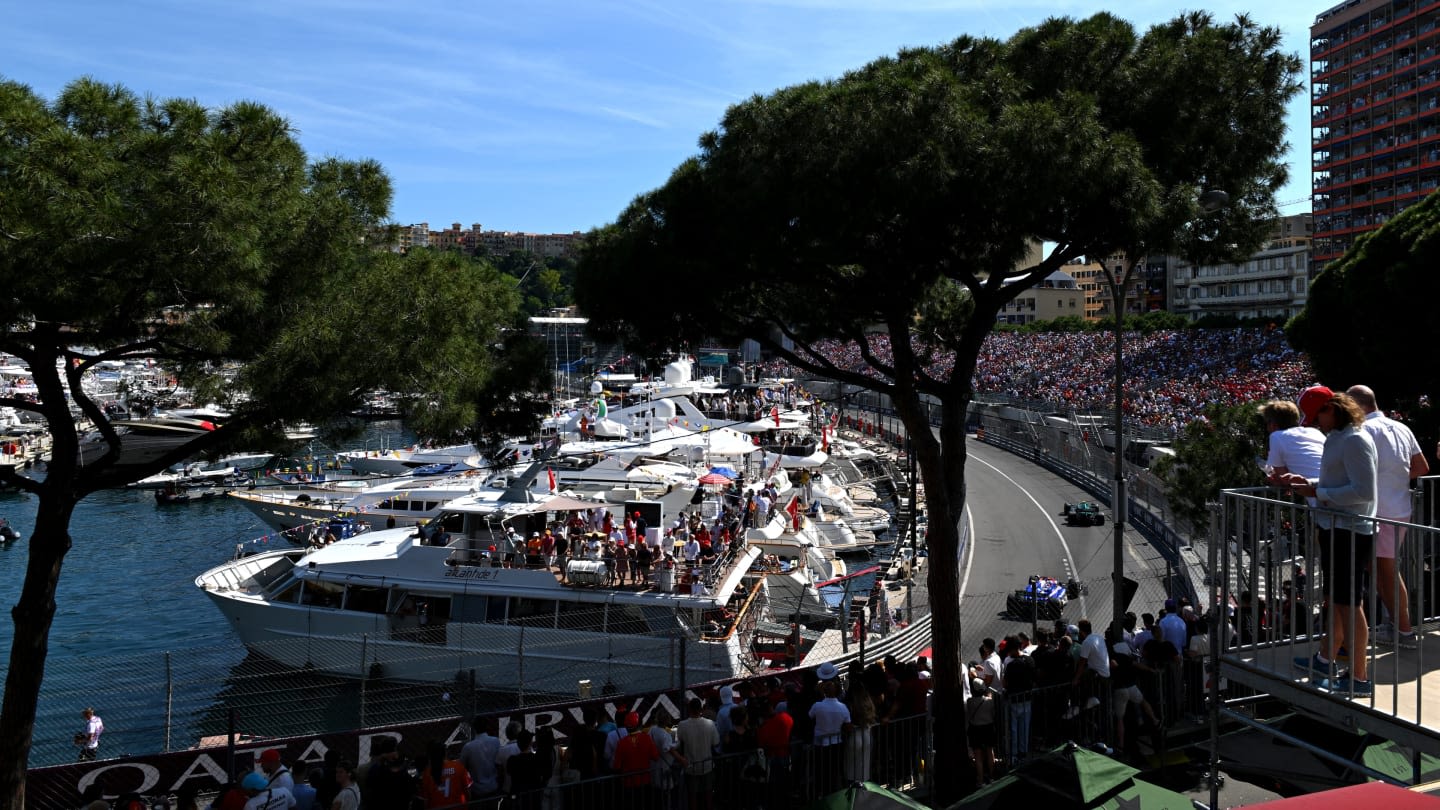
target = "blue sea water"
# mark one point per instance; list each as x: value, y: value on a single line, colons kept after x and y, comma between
x: 126, y: 597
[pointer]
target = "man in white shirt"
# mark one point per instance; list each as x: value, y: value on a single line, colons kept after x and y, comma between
x: 478, y: 757
x: 89, y: 739
x: 762, y: 508
x: 990, y: 665
x: 1399, y: 461
x: 1092, y: 670
x: 699, y: 741
x: 276, y: 774
x: 1293, y: 448
x: 832, y: 718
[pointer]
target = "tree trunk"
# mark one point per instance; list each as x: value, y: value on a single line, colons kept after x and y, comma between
x: 32, y: 615
x: 942, y: 467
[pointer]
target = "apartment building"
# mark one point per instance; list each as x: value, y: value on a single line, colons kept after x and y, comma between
x: 1375, y: 116
x: 1272, y: 283
x: 496, y: 243
x: 1057, y: 295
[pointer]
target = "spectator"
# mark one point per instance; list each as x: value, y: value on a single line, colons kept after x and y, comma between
x: 699, y: 740
x: 479, y: 755
x: 348, y: 796
x: 1347, y: 485
x: 444, y: 783
x: 1398, y: 462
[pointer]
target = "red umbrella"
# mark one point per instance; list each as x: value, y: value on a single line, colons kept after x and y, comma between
x: 1371, y: 794
x: 714, y: 479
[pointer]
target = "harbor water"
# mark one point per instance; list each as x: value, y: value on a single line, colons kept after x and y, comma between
x: 129, y: 619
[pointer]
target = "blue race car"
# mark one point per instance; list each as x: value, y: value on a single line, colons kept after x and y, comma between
x: 1041, y: 598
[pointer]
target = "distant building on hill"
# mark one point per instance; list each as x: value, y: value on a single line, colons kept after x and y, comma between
x: 475, y: 239
x: 1272, y: 283
x: 1057, y: 295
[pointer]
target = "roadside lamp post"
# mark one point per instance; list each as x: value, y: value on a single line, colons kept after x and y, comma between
x: 1210, y: 201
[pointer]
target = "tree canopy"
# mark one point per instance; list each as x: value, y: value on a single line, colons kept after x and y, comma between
x: 206, y: 241
x: 908, y: 194
x: 1366, y: 310
x: 1218, y: 451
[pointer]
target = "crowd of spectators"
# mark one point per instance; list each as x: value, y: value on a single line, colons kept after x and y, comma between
x: 756, y: 742
x: 1171, y: 375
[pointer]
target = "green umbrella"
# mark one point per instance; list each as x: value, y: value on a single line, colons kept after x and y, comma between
x: 866, y: 796
x: 1396, y: 760
x: 1073, y: 778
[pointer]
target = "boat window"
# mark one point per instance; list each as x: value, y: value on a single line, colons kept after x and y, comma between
x: 322, y: 594
x: 495, y: 609
x: 532, y: 612
x: 388, y: 503
x: 580, y: 616
x: 366, y: 598
x: 468, y: 608
x: 431, y: 505
x: 289, y: 592
x: 397, y: 601
x: 660, y: 619
x: 625, y: 619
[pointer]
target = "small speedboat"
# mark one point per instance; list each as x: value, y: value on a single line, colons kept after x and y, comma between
x: 8, y: 534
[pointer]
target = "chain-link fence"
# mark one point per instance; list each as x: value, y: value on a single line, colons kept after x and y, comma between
x: 306, y: 685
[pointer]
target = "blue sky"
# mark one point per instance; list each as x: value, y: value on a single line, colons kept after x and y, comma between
x: 533, y: 115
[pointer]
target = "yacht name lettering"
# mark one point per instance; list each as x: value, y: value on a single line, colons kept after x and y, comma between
x: 473, y: 573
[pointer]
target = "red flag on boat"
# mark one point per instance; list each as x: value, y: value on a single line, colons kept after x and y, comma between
x: 794, y: 509
x: 550, y: 471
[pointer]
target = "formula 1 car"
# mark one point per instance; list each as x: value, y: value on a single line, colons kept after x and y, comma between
x: 1041, y: 598
x: 1083, y: 513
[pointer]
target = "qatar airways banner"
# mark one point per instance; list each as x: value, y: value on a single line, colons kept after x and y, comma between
x: 208, y: 769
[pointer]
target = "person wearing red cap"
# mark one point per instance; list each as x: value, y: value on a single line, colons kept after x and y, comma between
x: 634, y: 756
x: 1346, y: 492
x: 276, y: 774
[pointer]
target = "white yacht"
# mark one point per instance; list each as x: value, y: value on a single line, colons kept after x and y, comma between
x: 402, y: 460
x: 837, y: 499
x: 427, y: 604
x: 408, y: 500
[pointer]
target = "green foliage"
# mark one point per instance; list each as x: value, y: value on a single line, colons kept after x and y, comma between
x: 827, y: 206
x: 204, y: 239
x: 1366, y: 312
x: 1064, y: 323
x: 1158, y: 321
x: 907, y: 194
x: 1217, y: 451
x: 201, y: 238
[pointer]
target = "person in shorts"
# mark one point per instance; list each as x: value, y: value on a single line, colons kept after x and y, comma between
x: 1346, y: 493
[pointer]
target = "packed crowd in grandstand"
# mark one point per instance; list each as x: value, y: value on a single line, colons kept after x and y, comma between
x: 1170, y: 375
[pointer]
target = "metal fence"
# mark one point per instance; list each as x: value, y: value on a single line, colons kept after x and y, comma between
x: 895, y: 754
x: 1283, y: 584
x: 170, y: 701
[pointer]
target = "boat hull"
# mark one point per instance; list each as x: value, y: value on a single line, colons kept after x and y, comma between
x: 501, y: 657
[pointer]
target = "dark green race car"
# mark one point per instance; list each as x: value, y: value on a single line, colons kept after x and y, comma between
x: 1083, y: 513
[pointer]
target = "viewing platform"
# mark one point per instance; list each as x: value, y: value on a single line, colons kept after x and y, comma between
x: 1267, y: 574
